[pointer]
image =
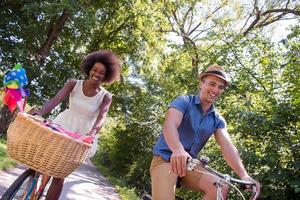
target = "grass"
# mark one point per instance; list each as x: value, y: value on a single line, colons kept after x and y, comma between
x: 124, y: 192
x: 5, y: 161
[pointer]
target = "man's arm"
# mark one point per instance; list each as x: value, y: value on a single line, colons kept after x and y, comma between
x: 231, y: 155
x: 179, y: 155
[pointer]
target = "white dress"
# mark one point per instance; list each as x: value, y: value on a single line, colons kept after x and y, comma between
x: 82, y: 113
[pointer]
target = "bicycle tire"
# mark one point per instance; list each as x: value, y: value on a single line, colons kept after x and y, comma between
x: 11, y: 191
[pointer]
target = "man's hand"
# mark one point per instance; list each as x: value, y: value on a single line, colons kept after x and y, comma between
x: 257, y: 184
x: 178, y: 162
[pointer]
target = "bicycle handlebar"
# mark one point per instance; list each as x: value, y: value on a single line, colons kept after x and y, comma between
x: 192, y: 163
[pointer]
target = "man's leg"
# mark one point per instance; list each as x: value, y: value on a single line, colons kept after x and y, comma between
x: 207, y: 185
x: 55, y: 189
x: 163, y: 182
x: 203, y: 182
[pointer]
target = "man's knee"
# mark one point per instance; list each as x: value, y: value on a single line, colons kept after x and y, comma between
x: 211, y: 191
x: 225, y: 190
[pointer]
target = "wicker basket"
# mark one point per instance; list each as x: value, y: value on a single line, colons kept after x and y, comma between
x: 43, y: 149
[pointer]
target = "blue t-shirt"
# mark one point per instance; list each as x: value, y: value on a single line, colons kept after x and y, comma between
x: 195, y: 128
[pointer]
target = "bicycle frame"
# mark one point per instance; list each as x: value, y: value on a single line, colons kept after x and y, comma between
x: 222, y: 178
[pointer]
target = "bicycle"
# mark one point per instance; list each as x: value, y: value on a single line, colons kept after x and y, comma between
x: 30, y: 142
x: 203, y: 162
x: 30, y: 185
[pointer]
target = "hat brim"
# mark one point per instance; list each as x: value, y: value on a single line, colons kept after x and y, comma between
x: 203, y: 74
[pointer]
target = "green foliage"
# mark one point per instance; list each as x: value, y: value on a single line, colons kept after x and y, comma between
x: 5, y: 161
x: 262, y: 115
x: 132, y: 128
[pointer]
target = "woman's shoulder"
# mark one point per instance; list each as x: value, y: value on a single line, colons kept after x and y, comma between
x: 71, y: 83
x: 108, y: 95
x: 105, y: 94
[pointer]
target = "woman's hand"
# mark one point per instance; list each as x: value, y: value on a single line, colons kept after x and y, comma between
x: 93, y: 132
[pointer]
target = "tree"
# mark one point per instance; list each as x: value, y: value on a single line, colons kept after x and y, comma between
x: 252, y: 105
x: 265, y: 13
x: 162, y: 53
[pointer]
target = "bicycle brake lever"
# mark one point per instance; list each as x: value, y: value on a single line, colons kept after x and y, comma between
x: 227, y: 177
x: 254, y: 192
x: 254, y: 189
x: 190, y: 164
x: 204, y: 160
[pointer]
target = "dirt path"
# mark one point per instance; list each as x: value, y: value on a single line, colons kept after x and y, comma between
x: 86, y: 183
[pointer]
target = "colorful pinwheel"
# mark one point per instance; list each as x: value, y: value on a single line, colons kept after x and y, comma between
x: 14, y: 83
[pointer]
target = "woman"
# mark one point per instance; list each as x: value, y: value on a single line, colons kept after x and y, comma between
x: 89, y: 102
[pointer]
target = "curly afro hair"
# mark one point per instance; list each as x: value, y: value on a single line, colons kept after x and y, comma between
x: 108, y: 59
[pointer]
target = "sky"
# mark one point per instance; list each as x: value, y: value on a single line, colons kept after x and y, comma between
x: 279, y: 30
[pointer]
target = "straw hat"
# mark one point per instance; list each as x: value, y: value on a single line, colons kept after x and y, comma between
x: 215, y: 70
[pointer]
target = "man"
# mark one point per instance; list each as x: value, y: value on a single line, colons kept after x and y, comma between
x: 190, y: 121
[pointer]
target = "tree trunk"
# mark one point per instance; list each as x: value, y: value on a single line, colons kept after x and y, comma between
x: 52, y: 36
x: 6, y: 117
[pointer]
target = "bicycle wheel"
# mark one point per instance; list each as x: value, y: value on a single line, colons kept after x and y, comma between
x: 29, y: 185
x: 19, y: 185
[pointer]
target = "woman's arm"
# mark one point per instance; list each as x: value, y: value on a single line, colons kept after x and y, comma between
x: 58, y: 98
x: 104, y: 107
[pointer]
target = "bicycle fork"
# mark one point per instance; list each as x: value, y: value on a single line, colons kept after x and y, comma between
x: 219, y: 184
